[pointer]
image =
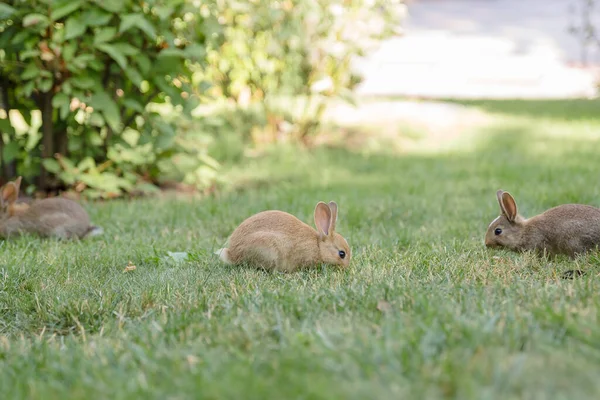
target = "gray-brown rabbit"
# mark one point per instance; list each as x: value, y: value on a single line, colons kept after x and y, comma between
x: 58, y: 217
x: 569, y: 229
x: 278, y: 240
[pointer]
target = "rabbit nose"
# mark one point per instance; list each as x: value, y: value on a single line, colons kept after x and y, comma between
x: 488, y: 243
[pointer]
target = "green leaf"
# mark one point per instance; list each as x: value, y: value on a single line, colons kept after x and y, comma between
x: 105, y: 181
x: 134, y: 76
x: 96, y: 17
x: 68, y: 51
x: 172, y: 53
x: 113, y: 119
x: 138, y: 21
x: 208, y: 160
x: 28, y: 88
x: 59, y: 100
x: 83, y: 82
x: 45, y: 85
x: 20, y: 37
x: 164, y: 12
x: 66, y: 88
x: 114, y: 6
x: 81, y: 62
x: 29, y: 54
x: 109, y: 109
x: 64, y: 10
x: 96, y: 119
x: 63, y: 103
x: 144, y: 63
x: 30, y: 72
x: 105, y: 35
x: 169, y: 90
x: 195, y: 51
x: 126, y: 49
x: 6, y: 11
x: 97, y: 65
x: 86, y: 164
x: 67, y: 165
x: 35, y: 19
x: 6, y: 127
x: 64, y: 111
x: 163, y: 142
x: 166, y: 65
x: 51, y: 165
x: 10, y: 151
x: 74, y: 27
x: 113, y: 53
x: 133, y: 105
x: 6, y: 37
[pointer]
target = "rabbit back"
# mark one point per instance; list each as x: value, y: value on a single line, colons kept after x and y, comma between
x: 273, y: 240
x: 567, y: 229
x: 59, y: 217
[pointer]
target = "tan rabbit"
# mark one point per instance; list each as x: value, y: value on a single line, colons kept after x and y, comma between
x: 276, y: 240
x: 58, y: 217
x: 569, y: 229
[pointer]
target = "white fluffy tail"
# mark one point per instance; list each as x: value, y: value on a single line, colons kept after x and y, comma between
x: 223, y: 255
x: 94, y: 231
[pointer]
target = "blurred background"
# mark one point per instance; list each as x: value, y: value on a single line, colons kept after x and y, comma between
x: 126, y: 97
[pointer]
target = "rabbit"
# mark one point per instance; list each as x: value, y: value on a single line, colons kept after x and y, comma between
x: 276, y: 240
x: 568, y: 229
x: 57, y: 217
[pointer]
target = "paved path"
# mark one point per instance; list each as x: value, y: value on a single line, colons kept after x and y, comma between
x: 482, y: 49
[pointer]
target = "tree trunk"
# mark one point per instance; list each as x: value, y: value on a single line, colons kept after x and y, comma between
x: 45, y: 104
x: 61, y: 140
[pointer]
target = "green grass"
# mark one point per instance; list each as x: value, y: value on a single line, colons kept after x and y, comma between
x: 424, y: 311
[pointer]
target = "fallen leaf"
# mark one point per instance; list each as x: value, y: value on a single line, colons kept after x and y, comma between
x: 129, y: 267
x: 177, y: 256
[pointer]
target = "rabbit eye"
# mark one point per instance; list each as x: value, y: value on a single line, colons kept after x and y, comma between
x: 342, y: 254
x: 498, y: 231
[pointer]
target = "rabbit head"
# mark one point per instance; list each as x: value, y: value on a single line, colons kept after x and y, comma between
x: 333, y: 248
x: 506, y: 230
x: 9, y: 193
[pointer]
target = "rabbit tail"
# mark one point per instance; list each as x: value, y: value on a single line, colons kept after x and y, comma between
x: 93, y: 231
x: 224, y: 255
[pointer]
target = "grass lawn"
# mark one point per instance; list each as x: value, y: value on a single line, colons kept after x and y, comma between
x: 424, y: 311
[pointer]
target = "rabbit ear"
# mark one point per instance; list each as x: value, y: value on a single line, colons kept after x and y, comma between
x: 10, y: 192
x: 334, y: 211
x: 323, y: 219
x: 508, y: 205
x: 17, y: 183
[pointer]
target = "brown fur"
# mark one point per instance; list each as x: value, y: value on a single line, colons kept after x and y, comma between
x: 569, y: 229
x: 17, y: 208
x: 276, y: 240
x: 58, y: 217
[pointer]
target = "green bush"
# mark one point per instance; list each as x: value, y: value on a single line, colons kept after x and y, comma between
x: 291, y: 56
x: 104, y: 76
x: 94, y: 91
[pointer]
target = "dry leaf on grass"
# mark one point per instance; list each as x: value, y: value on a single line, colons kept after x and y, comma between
x: 129, y: 267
